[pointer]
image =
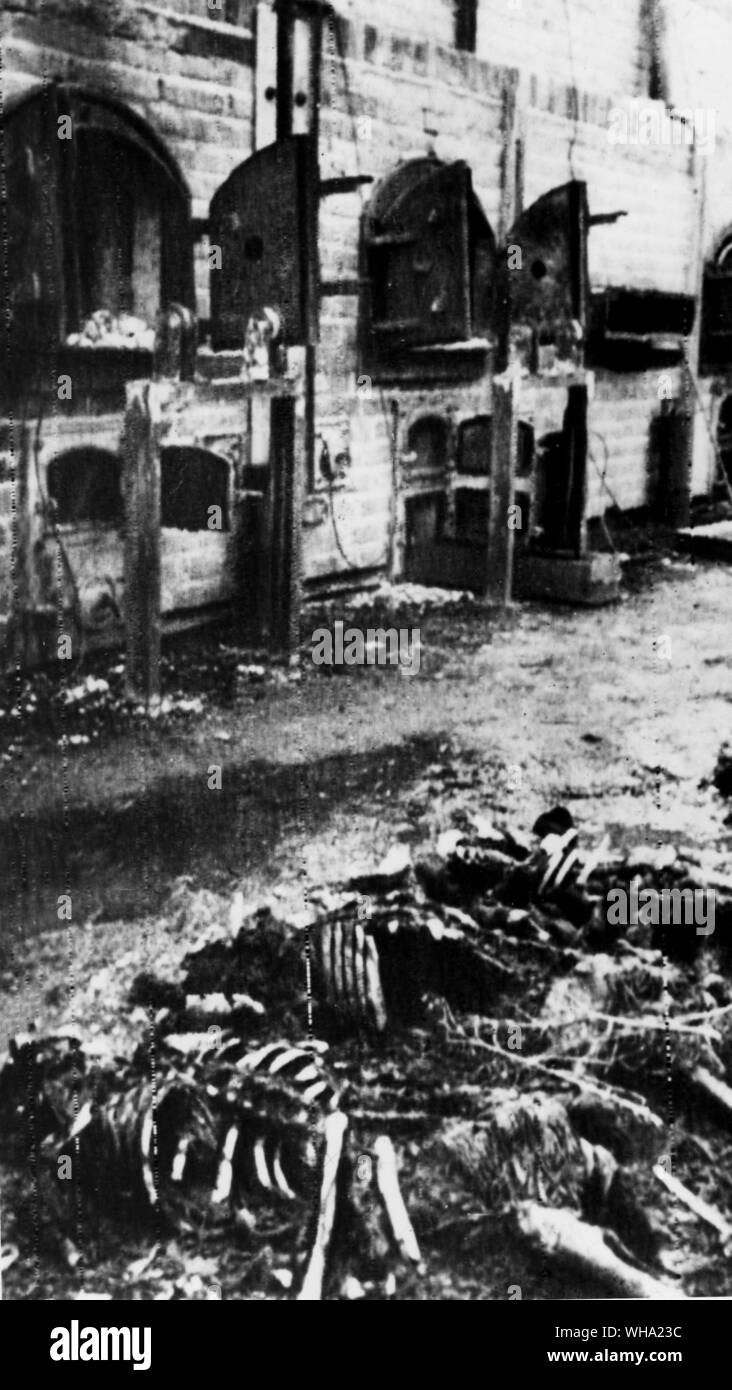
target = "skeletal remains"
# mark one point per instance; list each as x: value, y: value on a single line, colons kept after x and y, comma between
x: 272, y: 1121
x: 300, y: 1071
x: 267, y: 1120
x: 229, y: 1115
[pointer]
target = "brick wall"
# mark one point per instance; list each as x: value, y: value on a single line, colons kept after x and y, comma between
x: 620, y: 416
x: 396, y: 97
x: 574, y: 42
x: 401, y: 91
x: 564, y: 40
x: 188, y: 74
x: 699, y: 45
x: 420, y: 96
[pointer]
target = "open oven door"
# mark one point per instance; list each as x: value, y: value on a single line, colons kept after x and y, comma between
x: 542, y: 318
x: 263, y: 222
x: 542, y: 286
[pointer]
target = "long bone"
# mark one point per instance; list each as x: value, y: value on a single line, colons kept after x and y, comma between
x: 335, y: 1127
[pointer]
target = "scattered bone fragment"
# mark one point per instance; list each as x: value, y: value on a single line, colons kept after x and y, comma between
x: 704, y: 1210
x: 564, y: 1239
x: 335, y: 1133
x: 388, y: 1185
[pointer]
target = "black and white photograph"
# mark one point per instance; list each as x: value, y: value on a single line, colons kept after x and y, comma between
x: 366, y: 661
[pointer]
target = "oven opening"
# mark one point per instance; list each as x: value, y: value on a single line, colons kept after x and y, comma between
x: 84, y: 487
x: 194, y: 490
x: 117, y: 214
x: 99, y: 239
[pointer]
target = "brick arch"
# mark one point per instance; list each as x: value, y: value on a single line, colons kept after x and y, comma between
x: 60, y: 96
x: 57, y: 205
x: 722, y: 250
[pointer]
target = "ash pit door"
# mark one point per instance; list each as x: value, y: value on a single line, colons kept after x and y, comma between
x: 268, y: 522
x: 560, y: 471
x: 197, y: 539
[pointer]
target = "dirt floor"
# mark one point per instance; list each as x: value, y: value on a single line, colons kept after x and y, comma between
x: 617, y: 713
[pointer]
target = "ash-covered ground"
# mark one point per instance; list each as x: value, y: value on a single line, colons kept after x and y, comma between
x: 617, y: 715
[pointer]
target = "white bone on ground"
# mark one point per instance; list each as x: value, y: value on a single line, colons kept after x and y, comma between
x: 308, y: 1073
x: 339, y: 984
x: 326, y: 944
x: 148, y: 1127
x: 388, y: 1185
x: 179, y: 1161
x: 373, y: 976
x: 225, y: 1174
x: 349, y: 983
x: 280, y: 1178
x: 312, y: 1285
x: 359, y: 955
x: 83, y: 1119
x: 291, y: 1055
x: 260, y: 1163
x: 570, y: 862
x: 313, y: 1093
x: 253, y: 1060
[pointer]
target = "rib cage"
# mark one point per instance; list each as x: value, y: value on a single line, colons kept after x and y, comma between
x: 286, y: 1096
x: 374, y: 962
x: 347, y: 963
x: 249, y: 1119
x: 561, y: 860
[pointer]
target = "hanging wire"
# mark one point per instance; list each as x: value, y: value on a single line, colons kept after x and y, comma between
x: 710, y: 429
x: 602, y: 475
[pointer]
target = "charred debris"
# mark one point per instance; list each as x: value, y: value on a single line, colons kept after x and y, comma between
x: 457, y: 1047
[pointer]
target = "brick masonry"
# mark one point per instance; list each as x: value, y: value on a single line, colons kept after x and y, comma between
x: 394, y: 87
